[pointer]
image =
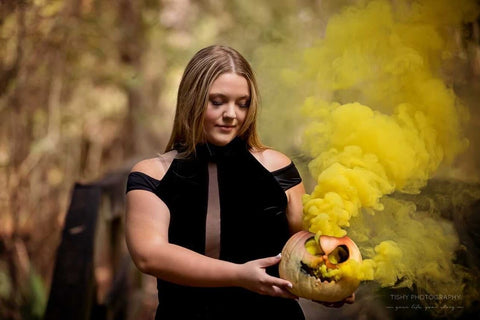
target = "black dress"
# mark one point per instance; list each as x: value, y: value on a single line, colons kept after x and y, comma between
x: 253, y: 225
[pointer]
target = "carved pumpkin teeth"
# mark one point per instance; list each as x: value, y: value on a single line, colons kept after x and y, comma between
x: 330, y: 265
x: 313, y: 272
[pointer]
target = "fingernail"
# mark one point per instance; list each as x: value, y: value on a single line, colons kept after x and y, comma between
x: 278, y: 255
x: 290, y: 285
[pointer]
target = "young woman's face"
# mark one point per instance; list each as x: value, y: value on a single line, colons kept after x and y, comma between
x: 228, y: 102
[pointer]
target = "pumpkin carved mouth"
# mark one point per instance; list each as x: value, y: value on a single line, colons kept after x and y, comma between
x: 314, y: 272
x: 315, y: 269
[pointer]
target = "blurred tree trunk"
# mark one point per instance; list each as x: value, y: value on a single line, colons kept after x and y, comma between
x: 131, y: 46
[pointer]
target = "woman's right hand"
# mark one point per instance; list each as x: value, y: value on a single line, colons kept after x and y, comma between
x: 254, y: 277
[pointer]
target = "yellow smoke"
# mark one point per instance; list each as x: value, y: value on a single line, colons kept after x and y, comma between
x: 384, y: 121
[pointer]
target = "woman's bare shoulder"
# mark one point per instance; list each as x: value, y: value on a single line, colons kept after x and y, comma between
x: 155, y: 167
x: 271, y: 159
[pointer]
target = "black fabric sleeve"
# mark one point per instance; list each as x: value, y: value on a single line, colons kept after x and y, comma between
x: 287, y: 176
x: 140, y: 181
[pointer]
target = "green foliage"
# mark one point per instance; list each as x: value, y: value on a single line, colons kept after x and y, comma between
x: 35, y: 297
x: 5, y: 285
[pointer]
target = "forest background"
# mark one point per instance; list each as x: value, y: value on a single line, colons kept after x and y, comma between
x: 88, y: 87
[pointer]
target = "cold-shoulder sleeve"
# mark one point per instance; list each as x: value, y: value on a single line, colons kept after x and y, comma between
x: 288, y: 176
x: 140, y: 181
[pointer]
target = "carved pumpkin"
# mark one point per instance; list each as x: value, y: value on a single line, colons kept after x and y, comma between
x: 303, y: 260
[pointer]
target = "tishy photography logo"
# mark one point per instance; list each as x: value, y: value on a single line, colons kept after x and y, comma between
x: 425, y: 302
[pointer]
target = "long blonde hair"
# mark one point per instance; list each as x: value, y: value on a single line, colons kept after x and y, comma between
x: 192, y: 99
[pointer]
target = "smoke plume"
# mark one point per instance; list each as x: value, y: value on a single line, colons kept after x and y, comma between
x: 385, y: 121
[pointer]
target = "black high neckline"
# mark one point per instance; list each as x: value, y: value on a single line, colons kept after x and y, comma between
x: 210, y: 152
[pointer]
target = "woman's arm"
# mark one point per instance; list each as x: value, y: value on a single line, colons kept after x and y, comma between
x: 147, y: 222
x: 295, y: 207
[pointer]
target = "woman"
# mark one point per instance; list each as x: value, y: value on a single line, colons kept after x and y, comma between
x: 209, y: 217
